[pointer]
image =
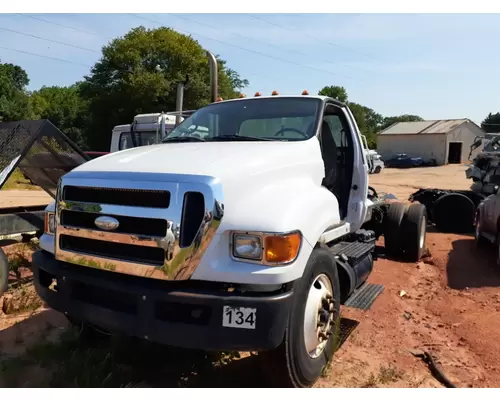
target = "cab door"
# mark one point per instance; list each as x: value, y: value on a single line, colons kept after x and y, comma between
x: 346, y: 174
x: 358, y: 198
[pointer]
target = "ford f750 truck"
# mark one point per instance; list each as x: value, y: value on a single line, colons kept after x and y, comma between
x: 274, y: 228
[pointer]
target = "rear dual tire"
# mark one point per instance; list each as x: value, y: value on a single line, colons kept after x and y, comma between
x: 297, y: 362
x: 405, y: 231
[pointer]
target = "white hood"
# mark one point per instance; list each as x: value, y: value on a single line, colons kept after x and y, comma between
x: 223, y: 160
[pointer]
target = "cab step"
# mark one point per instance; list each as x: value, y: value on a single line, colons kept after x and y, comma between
x: 352, y: 252
x: 363, y: 297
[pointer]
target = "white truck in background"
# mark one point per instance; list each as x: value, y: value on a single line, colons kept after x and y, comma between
x: 375, y: 162
x: 146, y: 129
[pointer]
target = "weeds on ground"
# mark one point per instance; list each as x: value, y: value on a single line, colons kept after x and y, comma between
x: 79, y: 362
x: 386, y: 374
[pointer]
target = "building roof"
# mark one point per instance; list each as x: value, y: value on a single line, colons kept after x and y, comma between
x: 439, y: 126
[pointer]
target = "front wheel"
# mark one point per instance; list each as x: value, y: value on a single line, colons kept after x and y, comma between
x: 311, y: 336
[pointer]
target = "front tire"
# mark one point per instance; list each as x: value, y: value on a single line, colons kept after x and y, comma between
x: 311, y: 336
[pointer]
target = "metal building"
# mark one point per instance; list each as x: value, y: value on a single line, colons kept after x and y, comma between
x: 447, y: 141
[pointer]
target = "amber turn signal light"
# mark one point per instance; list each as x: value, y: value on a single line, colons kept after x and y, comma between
x: 282, y: 248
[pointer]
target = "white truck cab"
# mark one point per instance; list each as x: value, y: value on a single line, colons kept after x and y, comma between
x: 267, y: 200
x: 148, y: 129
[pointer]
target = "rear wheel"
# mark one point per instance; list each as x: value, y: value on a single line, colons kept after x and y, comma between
x: 311, y: 336
x: 454, y: 212
x: 392, y: 229
x: 378, y: 169
x: 479, y: 239
x: 413, y: 231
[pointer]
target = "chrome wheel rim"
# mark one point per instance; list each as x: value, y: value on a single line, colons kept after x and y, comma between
x: 319, y: 316
x: 423, y: 230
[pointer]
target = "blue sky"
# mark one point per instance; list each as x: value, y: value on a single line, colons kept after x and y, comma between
x: 434, y: 65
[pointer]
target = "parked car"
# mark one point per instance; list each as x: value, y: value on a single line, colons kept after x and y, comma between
x: 404, y: 161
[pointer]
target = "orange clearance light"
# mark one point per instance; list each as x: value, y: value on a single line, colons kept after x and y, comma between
x: 305, y: 93
x: 219, y: 98
x: 274, y: 93
x: 257, y: 94
x: 241, y: 96
x: 282, y: 248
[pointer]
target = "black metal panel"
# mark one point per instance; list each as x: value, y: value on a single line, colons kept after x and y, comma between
x: 11, y: 224
x: 364, y: 297
x: 41, y: 151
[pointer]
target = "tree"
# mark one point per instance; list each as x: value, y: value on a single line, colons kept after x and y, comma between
x: 14, y: 104
x: 491, y: 123
x: 64, y: 107
x: 335, y: 92
x: 388, y: 121
x: 139, y: 73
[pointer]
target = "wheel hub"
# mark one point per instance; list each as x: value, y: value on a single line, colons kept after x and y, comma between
x: 319, y: 316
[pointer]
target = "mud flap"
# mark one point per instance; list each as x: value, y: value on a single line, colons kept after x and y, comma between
x: 41, y: 151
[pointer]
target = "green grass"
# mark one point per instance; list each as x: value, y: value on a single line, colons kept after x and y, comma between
x: 79, y: 362
x: 18, y: 181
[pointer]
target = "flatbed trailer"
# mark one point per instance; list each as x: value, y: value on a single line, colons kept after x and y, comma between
x: 43, y: 154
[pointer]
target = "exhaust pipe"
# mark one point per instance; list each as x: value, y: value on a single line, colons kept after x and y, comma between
x: 212, y: 62
x: 214, y: 84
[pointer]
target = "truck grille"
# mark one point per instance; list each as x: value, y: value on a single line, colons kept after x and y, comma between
x: 117, y: 251
x: 151, y: 232
x: 132, y: 225
x: 119, y: 197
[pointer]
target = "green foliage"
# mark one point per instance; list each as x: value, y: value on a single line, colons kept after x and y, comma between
x: 491, y: 123
x: 139, y: 73
x: 62, y: 106
x: 335, y: 92
x: 368, y: 120
x: 14, y: 102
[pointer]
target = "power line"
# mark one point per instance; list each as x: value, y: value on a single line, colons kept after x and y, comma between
x: 42, y: 56
x: 58, y: 24
x: 312, y: 37
x: 246, y: 49
x: 48, y: 40
x: 295, y: 51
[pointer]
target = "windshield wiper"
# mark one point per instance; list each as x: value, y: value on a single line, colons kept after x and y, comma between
x: 238, y: 137
x: 183, y: 139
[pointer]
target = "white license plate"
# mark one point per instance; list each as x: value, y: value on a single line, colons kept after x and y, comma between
x: 239, y: 317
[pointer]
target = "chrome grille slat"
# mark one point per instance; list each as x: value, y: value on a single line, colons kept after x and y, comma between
x: 178, y: 263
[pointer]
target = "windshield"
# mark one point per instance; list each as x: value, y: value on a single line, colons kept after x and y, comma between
x: 286, y: 119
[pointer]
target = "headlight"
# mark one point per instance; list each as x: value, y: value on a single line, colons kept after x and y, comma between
x: 267, y: 248
x: 50, y: 223
x: 247, y: 246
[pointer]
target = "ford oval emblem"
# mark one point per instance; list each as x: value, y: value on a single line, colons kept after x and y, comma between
x: 106, y: 223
